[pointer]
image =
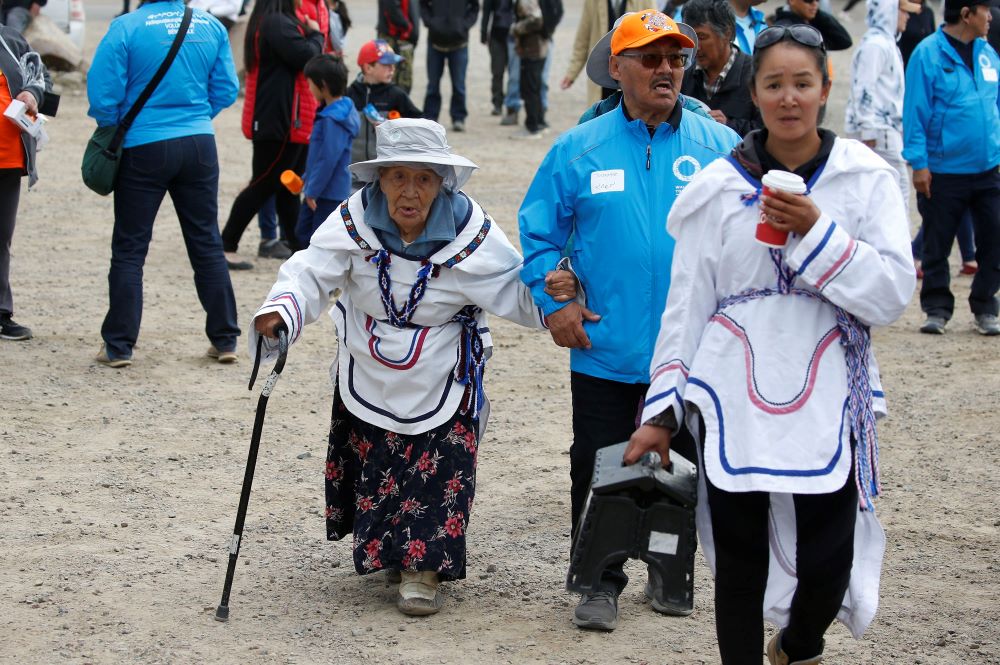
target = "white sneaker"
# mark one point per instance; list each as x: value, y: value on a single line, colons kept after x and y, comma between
x: 525, y: 134
x: 418, y: 593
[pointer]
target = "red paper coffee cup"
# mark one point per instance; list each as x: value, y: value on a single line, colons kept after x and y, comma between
x: 780, y: 181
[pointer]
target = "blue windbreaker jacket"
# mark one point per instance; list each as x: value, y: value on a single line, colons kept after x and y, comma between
x: 200, y: 82
x: 334, y: 129
x: 610, y: 185
x: 951, y: 116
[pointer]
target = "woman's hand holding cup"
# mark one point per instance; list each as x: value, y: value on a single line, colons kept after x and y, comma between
x: 789, y: 213
x: 784, y: 208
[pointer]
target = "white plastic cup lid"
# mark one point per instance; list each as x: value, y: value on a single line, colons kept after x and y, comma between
x: 784, y: 181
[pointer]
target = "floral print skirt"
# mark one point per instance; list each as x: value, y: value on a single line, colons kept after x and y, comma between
x: 405, y: 497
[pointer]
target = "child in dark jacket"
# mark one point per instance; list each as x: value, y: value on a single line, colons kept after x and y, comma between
x: 327, y: 181
x: 374, y: 86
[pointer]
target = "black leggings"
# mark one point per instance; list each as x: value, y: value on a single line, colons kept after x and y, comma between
x: 823, y: 558
x: 270, y: 158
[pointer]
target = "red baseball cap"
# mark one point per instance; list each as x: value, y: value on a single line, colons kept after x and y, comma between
x: 378, y: 50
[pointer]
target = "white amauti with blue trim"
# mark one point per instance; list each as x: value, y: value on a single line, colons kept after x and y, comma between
x: 770, y: 348
x: 398, y: 370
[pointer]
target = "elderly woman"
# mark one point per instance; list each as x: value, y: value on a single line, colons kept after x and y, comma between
x: 417, y: 262
x: 721, y: 78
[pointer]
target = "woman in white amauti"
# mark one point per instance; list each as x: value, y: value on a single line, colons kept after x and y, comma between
x: 417, y: 262
x: 766, y: 353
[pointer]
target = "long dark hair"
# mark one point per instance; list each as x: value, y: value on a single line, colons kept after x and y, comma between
x: 261, y: 9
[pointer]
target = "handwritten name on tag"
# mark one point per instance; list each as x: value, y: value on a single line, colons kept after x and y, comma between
x: 607, y: 181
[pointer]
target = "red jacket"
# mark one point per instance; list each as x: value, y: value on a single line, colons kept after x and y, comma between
x: 287, y: 110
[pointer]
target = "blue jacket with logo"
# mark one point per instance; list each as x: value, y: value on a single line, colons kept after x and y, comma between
x: 199, y: 84
x: 951, y: 116
x: 610, y: 185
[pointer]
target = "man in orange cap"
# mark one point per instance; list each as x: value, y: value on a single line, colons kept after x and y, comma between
x: 609, y: 184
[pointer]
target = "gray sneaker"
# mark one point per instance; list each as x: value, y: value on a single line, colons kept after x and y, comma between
x: 934, y: 325
x: 509, y: 118
x: 597, y: 611
x: 274, y: 249
x: 987, y: 324
x: 654, y: 584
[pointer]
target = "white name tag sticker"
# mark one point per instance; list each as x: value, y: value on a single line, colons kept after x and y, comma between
x: 989, y: 74
x: 663, y: 543
x: 607, y: 181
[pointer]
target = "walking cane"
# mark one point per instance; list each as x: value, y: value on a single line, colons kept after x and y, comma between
x: 222, y: 613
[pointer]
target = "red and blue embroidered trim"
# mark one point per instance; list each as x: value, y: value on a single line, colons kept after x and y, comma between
x: 472, y: 246
x: 351, y: 229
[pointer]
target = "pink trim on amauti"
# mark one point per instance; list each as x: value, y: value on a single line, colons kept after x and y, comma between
x: 295, y: 306
x: 836, y: 266
x: 404, y: 363
x: 670, y: 365
x: 759, y: 401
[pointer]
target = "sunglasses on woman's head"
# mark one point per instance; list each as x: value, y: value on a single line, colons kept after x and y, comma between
x: 803, y: 34
x: 653, y: 60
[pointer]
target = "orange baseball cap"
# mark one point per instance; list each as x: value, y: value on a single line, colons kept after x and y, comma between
x: 644, y: 27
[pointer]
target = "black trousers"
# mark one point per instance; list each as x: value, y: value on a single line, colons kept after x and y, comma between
x: 823, y: 558
x: 951, y: 196
x: 605, y: 412
x: 498, y: 64
x: 270, y: 158
x: 531, y: 93
x: 10, y: 195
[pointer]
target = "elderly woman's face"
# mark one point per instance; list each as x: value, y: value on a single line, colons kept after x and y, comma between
x: 410, y: 193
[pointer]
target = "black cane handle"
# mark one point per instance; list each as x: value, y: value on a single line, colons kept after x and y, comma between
x: 282, y: 331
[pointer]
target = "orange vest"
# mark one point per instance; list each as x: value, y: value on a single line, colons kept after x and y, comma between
x: 11, y: 148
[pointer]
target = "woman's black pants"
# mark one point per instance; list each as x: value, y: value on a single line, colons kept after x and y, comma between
x: 823, y: 558
x: 270, y: 158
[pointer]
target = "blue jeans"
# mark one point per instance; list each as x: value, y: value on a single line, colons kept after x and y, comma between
x: 951, y: 196
x: 267, y: 220
x: 458, y: 62
x: 513, y: 99
x: 188, y: 169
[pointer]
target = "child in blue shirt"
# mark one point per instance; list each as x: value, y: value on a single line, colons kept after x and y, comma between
x: 327, y: 179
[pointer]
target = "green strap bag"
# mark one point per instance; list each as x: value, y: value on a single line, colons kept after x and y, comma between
x: 102, y: 155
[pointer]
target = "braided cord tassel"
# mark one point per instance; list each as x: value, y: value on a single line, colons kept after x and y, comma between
x: 469, y: 368
x: 400, y: 318
x: 856, y: 340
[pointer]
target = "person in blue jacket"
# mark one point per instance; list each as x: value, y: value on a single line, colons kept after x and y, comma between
x: 327, y: 178
x: 609, y: 183
x: 170, y: 148
x: 951, y: 139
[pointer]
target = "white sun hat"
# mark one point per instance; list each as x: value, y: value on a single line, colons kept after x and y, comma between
x: 415, y: 142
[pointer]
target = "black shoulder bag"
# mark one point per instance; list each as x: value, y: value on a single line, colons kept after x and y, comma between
x: 103, y: 154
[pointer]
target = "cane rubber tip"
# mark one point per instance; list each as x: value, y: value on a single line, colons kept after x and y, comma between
x: 222, y: 613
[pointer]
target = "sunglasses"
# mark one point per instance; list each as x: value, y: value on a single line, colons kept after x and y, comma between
x: 803, y: 34
x: 653, y: 60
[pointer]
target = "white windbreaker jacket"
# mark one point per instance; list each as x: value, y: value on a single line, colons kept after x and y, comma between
x: 878, y: 80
